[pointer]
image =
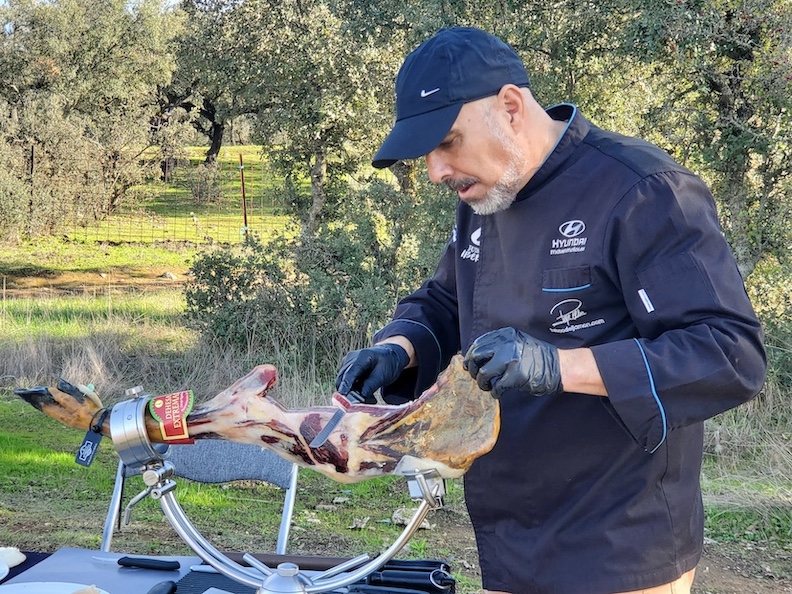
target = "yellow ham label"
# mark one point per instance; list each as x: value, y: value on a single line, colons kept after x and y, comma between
x: 171, y: 411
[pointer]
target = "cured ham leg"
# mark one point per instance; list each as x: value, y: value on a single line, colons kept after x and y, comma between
x: 449, y: 426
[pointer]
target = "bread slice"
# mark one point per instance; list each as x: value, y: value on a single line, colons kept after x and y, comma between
x: 11, y: 556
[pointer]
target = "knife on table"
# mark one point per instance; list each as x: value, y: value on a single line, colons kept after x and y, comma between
x: 343, y: 403
x: 141, y: 562
x: 147, y: 563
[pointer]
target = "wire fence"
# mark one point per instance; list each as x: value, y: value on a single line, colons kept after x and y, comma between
x: 211, y: 225
x: 196, y: 203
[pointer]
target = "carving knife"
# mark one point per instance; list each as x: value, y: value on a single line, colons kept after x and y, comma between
x: 343, y: 403
x: 147, y: 563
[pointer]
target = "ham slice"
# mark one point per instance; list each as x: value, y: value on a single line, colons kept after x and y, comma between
x: 449, y: 426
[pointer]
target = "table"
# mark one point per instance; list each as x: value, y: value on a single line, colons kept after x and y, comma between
x: 81, y: 566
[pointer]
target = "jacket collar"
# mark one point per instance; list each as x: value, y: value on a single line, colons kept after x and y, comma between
x: 577, y: 129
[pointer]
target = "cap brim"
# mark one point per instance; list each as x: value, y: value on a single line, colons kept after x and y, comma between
x: 416, y: 136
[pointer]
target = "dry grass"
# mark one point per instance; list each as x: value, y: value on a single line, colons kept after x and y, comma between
x: 116, y: 342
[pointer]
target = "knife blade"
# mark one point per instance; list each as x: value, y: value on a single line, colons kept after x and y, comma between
x: 322, y: 436
x: 343, y: 403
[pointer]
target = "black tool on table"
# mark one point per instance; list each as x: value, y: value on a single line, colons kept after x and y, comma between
x: 366, y: 589
x: 435, y: 581
x: 427, y: 565
x: 167, y: 587
x: 147, y: 563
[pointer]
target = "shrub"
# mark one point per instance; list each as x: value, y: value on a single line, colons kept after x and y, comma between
x: 755, y: 435
x: 15, y: 198
x: 205, y: 182
x: 316, y: 298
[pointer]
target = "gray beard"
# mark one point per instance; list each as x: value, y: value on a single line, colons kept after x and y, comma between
x: 502, y: 194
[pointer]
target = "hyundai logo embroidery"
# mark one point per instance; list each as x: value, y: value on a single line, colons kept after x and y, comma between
x: 572, y: 228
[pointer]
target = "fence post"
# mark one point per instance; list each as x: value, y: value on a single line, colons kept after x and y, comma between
x: 244, y: 200
x: 31, y: 212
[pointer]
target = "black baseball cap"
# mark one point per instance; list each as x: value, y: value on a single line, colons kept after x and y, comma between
x: 451, y: 68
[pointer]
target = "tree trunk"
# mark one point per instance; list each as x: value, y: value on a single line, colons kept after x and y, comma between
x: 318, y: 195
x: 405, y: 175
x: 734, y: 188
x: 404, y: 171
x: 216, y: 132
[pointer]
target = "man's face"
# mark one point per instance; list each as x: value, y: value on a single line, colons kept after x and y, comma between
x: 478, y: 159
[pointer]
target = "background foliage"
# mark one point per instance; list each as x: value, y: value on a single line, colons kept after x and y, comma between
x: 99, y: 97
x: 90, y: 86
x: 96, y: 95
x: 333, y: 289
x: 80, y: 86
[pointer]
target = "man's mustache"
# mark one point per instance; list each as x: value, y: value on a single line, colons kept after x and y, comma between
x: 458, y: 184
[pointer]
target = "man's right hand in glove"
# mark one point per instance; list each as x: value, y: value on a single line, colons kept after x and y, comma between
x: 366, y: 370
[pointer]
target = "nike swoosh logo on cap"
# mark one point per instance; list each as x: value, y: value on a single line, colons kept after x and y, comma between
x: 427, y: 93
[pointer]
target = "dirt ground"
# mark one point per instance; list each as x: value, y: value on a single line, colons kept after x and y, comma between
x: 143, y: 279
x: 725, y: 568
x: 734, y: 568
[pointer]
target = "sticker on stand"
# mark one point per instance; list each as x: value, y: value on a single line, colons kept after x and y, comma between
x: 171, y: 411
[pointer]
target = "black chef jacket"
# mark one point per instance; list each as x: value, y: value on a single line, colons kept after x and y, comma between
x: 614, y: 246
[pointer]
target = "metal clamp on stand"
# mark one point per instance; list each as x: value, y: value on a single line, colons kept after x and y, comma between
x: 128, y: 429
x: 427, y: 485
x: 130, y: 439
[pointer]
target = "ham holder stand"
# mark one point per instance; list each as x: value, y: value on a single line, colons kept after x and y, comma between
x: 136, y: 451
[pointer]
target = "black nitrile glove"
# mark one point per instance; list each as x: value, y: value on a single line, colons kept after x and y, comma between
x: 367, y: 370
x: 508, y: 359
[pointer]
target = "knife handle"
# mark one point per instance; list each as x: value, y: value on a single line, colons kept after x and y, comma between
x: 355, y: 397
x: 147, y: 563
x: 163, y: 588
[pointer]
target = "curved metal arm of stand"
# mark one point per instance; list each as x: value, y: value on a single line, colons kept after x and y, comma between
x: 206, y: 551
x: 203, y: 548
x: 419, y: 516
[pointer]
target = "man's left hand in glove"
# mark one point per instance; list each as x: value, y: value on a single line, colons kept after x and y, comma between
x: 508, y: 359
